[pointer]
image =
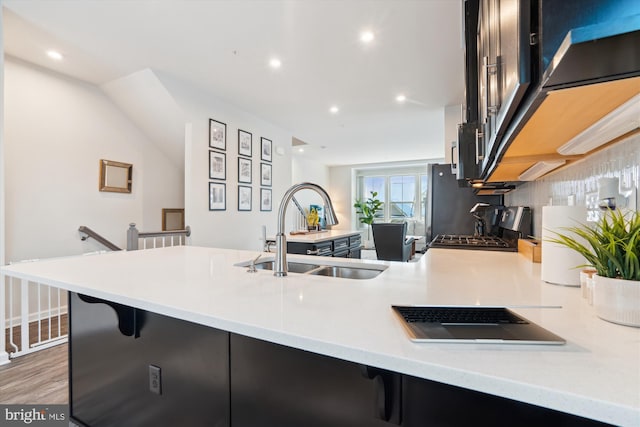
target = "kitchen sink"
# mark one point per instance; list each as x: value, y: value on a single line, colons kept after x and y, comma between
x: 368, y: 271
x: 293, y: 267
x: 347, y: 272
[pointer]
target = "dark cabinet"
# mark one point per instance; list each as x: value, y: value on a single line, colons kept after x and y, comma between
x: 320, y: 249
x: 504, y: 68
x: 343, y: 247
x: 355, y: 246
x: 517, y: 54
x: 274, y: 385
x: 558, y: 17
x: 133, y: 367
x: 435, y: 404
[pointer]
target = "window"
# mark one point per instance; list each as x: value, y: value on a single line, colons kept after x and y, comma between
x: 402, y: 192
x: 376, y: 184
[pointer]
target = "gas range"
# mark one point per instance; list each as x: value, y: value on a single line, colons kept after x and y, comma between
x: 491, y: 243
x: 514, y: 222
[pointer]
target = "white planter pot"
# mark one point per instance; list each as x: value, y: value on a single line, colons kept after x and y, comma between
x: 617, y: 300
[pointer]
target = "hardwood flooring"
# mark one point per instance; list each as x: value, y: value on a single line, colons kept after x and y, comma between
x: 37, y: 378
x: 40, y: 377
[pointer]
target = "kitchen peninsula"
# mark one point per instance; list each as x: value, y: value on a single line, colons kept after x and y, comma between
x: 266, y: 323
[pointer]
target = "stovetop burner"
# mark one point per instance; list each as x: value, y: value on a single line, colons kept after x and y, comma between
x: 471, y: 242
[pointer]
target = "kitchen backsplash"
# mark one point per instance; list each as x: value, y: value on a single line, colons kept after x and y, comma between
x: 580, y: 181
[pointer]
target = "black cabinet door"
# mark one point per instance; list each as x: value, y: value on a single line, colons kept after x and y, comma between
x: 114, y: 350
x: 504, y: 68
x: 274, y: 385
x: 355, y: 253
x: 320, y: 249
x: 429, y: 403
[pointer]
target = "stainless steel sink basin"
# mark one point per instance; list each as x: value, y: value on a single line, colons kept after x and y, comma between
x: 347, y: 272
x: 293, y: 267
x: 365, y: 271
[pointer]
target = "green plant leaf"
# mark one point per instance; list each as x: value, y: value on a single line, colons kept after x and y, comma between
x: 611, y: 245
x: 366, y: 210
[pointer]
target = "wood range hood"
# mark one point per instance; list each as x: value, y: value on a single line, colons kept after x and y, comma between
x: 595, y: 71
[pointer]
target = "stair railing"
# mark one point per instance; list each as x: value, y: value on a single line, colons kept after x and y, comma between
x: 87, y: 233
x: 155, y: 239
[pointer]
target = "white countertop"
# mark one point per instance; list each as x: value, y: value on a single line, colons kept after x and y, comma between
x: 595, y: 375
x: 317, y: 236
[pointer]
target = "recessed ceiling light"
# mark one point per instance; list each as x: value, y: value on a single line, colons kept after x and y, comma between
x: 334, y: 109
x: 300, y: 150
x: 275, y: 63
x: 366, y: 37
x: 54, y: 55
x: 401, y: 98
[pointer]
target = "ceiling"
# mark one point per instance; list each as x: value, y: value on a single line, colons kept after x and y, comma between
x: 224, y: 46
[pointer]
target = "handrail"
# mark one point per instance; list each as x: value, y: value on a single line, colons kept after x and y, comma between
x: 186, y: 232
x: 98, y: 238
x: 133, y: 235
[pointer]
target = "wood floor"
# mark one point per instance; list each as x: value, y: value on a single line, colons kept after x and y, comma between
x: 37, y: 378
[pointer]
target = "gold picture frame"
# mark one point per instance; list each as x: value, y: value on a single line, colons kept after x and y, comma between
x: 115, y: 177
x: 172, y: 219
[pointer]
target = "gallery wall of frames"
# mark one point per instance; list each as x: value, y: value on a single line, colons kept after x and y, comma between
x: 242, y: 182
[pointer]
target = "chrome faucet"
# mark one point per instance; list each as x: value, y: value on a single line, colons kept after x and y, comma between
x: 280, y: 267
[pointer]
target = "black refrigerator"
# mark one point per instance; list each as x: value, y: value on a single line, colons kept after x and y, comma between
x: 448, y: 204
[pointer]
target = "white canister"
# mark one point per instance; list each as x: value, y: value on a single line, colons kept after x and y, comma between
x: 559, y: 263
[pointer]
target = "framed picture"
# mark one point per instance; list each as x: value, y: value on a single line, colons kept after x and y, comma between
x: 265, y: 199
x: 115, y: 177
x: 172, y: 219
x: 217, y: 135
x: 244, y: 143
x: 217, y: 196
x: 244, y: 170
x: 244, y: 198
x: 265, y: 174
x: 265, y: 149
x: 217, y: 165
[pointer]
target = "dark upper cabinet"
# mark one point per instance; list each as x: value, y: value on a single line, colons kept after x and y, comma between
x: 532, y: 66
x: 559, y: 17
x: 504, y: 68
x: 593, y: 43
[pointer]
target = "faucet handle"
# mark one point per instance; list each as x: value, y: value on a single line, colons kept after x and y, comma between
x: 252, y: 266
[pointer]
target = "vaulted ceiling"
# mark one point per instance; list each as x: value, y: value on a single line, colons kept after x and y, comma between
x: 224, y: 48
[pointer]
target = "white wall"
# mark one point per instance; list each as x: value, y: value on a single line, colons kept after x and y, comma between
x: 56, y: 130
x: 305, y: 169
x: 2, y: 158
x: 230, y: 228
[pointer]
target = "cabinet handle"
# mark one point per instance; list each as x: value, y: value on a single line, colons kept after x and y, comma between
x: 489, y: 69
x: 454, y: 161
x: 387, y: 386
x: 313, y: 252
x: 485, y: 78
x: 479, y: 156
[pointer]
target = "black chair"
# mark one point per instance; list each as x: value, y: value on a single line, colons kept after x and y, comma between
x: 391, y: 241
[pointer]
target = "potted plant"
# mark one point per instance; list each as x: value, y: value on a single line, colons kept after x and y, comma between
x: 367, y: 210
x: 612, y: 247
